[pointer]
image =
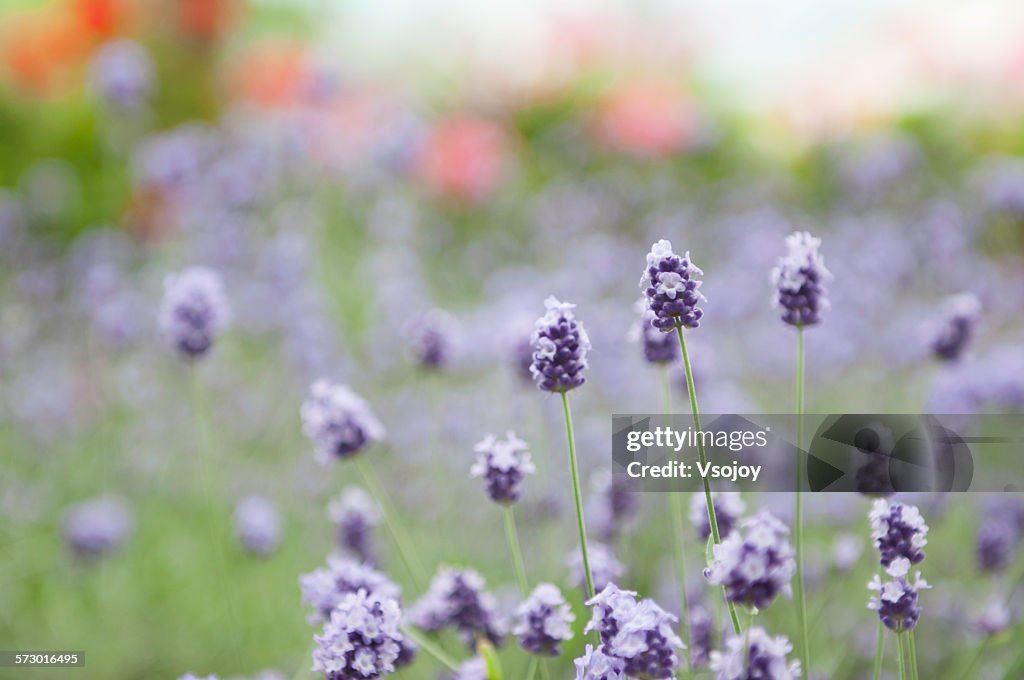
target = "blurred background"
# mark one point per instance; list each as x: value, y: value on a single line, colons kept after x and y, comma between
x: 389, y: 191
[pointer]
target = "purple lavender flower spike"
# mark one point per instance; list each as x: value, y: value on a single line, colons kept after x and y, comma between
x: 672, y: 291
x: 604, y: 566
x: 957, y: 327
x: 896, y: 602
x: 994, y: 619
x: 898, y: 531
x: 258, y: 525
x: 640, y: 634
x: 596, y: 665
x: 755, y: 655
x: 456, y: 598
x: 503, y: 464
x: 560, y: 345
x: 471, y: 669
x: 362, y: 640
x: 799, y: 280
x: 996, y: 543
x: 122, y: 74
x: 729, y: 507
x: 543, y: 621
x: 194, y: 311
x: 754, y: 564
x: 98, y: 526
x: 193, y: 676
x: 702, y: 630
x: 429, y: 338
x: 355, y: 515
x: 338, y: 421
x: 659, y: 347
x: 325, y: 587
x: 612, y: 506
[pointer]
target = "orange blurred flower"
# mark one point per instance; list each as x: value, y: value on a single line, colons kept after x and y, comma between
x: 270, y: 75
x: 645, y: 119
x: 40, y: 50
x: 206, y: 19
x: 464, y: 157
x: 101, y: 19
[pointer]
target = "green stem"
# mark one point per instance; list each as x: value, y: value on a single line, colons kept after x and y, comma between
x: 712, y: 519
x: 879, y: 651
x: 405, y: 552
x: 513, y: 546
x: 577, y: 494
x: 531, y: 671
x: 431, y: 649
x: 899, y: 653
x: 798, y: 522
x: 545, y: 674
x: 912, y: 653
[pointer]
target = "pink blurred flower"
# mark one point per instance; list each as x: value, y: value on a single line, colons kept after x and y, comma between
x: 645, y: 119
x: 464, y: 157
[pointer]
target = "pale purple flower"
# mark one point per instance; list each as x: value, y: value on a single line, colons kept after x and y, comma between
x: 702, y: 630
x: 560, y: 345
x: 896, y: 599
x: 503, y: 463
x: 605, y: 568
x: 799, y: 280
x: 672, y: 290
x: 355, y: 515
x: 957, y: 327
x: 596, y: 665
x: 846, y: 550
x: 543, y: 621
x: 898, y: 530
x: 658, y: 347
x: 258, y: 525
x: 456, y: 598
x: 325, y: 587
x: 429, y: 338
x: 754, y: 563
x: 996, y: 543
x: 755, y: 655
x: 613, y: 505
x: 362, y: 639
x: 122, y: 73
x: 729, y: 507
x: 192, y: 676
x: 639, y: 633
x: 98, y: 526
x: 338, y: 421
x: 994, y: 619
x: 194, y: 311
x: 471, y: 669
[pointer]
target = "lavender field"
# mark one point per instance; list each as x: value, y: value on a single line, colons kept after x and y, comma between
x: 313, y: 322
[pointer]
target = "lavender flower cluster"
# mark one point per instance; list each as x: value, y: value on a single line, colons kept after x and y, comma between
x: 673, y: 292
x: 338, y: 421
x: 898, y: 531
x: 503, y: 463
x: 194, y: 311
x: 457, y: 599
x: 362, y: 639
x: 355, y: 515
x: 755, y: 655
x: 543, y: 621
x: 560, y: 345
x: 799, y: 280
x: 755, y: 563
x: 325, y: 587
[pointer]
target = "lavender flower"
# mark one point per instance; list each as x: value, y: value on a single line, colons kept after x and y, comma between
x: 957, y: 327
x: 355, y: 515
x: 755, y: 655
x: 799, y: 279
x: 325, y: 587
x: 192, y: 676
x: 756, y: 564
x: 194, y: 311
x: 996, y: 543
x: 604, y: 566
x: 729, y: 507
x: 503, y: 464
x: 596, y: 665
x: 258, y: 525
x: 612, y: 506
x: 898, y: 531
x: 702, y: 629
x: 659, y: 347
x: 338, y: 421
x: 994, y: 619
x: 98, y: 526
x: 670, y: 287
x: 429, y: 338
x: 640, y: 634
x: 543, y: 621
x: 896, y: 602
x: 471, y: 669
x: 122, y: 74
x: 362, y: 639
x: 846, y: 550
x: 456, y: 598
x: 560, y: 345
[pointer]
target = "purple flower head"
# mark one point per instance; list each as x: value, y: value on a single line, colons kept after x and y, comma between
x: 755, y: 655
x: 996, y: 543
x: 193, y: 676
x: 994, y: 619
x: 671, y: 289
x: 604, y: 566
x: 846, y: 550
x: 543, y: 621
x: 325, y: 587
x: 338, y: 421
x: 640, y: 634
x: 122, y: 74
x: 471, y: 669
x: 560, y: 345
x: 755, y: 563
x: 799, y: 280
x: 194, y: 311
x: 659, y: 347
x: 355, y: 515
x: 957, y: 327
x: 702, y: 630
x: 457, y: 599
x: 613, y: 505
x: 98, y: 526
x: 258, y: 525
x: 362, y: 640
x: 596, y: 665
x: 896, y: 601
x: 898, y: 531
x: 429, y: 338
x: 503, y: 464
x: 729, y: 507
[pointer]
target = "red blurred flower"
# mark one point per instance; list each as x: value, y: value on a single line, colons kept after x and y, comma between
x: 101, y: 18
x: 464, y: 157
x: 645, y: 119
x: 206, y: 19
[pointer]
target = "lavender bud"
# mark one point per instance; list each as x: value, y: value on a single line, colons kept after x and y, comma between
x: 995, y: 619
x: 122, y: 74
x: 560, y: 345
x: 898, y: 531
x: 846, y: 550
x: 702, y: 629
x: 503, y: 464
x: 957, y: 327
x: 640, y: 634
x: 596, y: 665
x: 362, y: 640
x: 996, y: 543
x: 194, y: 311
x: 456, y: 599
x: 756, y: 564
x: 355, y: 515
x: 429, y: 338
x: 659, y: 347
x: 729, y: 507
x: 799, y: 280
x: 543, y: 621
x: 604, y: 566
x: 671, y: 288
x: 98, y: 526
x: 896, y: 602
x: 755, y: 655
x: 471, y: 669
x: 338, y: 421
x: 258, y: 525
x: 325, y: 587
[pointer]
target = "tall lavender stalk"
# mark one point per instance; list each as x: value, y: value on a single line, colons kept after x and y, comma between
x: 800, y: 296
x: 560, y: 345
